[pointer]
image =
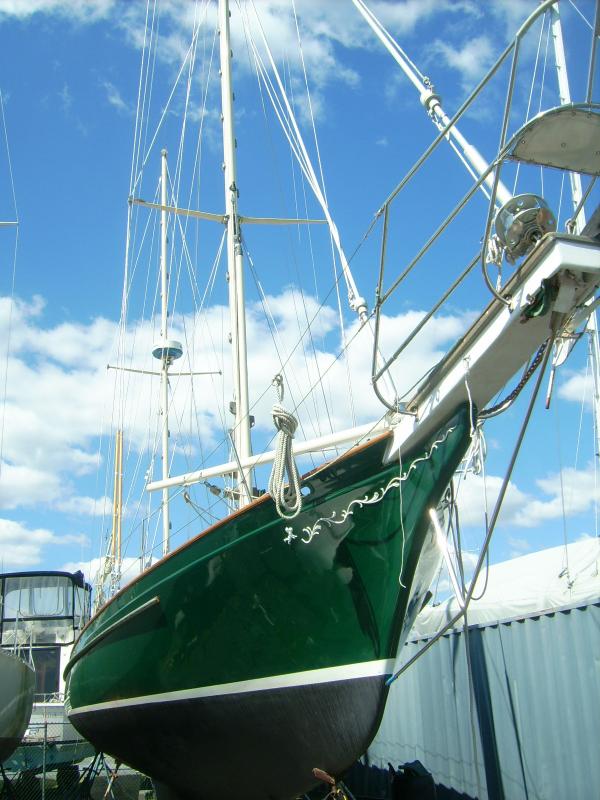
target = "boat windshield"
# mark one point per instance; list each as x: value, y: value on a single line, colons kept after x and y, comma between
x: 42, y: 609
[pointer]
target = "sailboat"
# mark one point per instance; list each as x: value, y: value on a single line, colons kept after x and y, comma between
x: 256, y: 657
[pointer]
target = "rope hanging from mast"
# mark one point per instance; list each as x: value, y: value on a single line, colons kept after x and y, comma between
x: 288, y: 499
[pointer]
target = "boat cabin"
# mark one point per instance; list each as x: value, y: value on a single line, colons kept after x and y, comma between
x: 44, y: 612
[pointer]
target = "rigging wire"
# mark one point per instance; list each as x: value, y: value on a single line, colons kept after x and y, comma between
x: 316, y: 418
x: 327, y: 401
x: 264, y: 80
x: 164, y: 113
x: 356, y: 302
x: 582, y: 15
x: 146, y: 80
x: 13, y: 279
x: 322, y: 176
x: 277, y: 339
x: 492, y: 524
x: 119, y: 405
x: 562, y: 497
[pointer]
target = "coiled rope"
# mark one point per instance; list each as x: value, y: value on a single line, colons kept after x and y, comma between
x: 288, y: 499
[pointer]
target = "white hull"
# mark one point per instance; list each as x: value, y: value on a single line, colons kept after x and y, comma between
x: 17, y: 685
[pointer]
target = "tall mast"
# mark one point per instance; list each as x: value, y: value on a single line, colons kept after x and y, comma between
x: 166, y: 351
x: 240, y: 407
x: 564, y: 91
x: 164, y: 370
x: 117, y: 515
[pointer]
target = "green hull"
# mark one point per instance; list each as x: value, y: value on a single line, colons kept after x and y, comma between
x: 297, y: 623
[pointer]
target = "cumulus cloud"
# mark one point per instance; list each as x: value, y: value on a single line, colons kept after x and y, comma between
x: 571, y: 492
x: 76, y: 10
x: 94, y: 567
x: 471, y: 59
x: 578, y: 388
x: 114, y: 97
x: 21, y: 546
x: 85, y: 506
x: 59, y: 398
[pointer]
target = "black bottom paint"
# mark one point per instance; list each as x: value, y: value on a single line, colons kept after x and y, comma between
x: 251, y: 746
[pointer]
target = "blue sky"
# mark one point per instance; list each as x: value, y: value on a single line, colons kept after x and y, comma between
x: 69, y: 80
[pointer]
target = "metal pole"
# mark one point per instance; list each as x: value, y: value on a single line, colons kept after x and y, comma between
x: 164, y: 371
x: 119, y: 519
x: 576, y: 197
x: 44, y: 759
x: 595, y: 37
x: 432, y: 103
x: 241, y: 428
x: 564, y: 93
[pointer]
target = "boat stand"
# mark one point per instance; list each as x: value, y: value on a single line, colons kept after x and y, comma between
x: 337, y: 789
x: 72, y: 783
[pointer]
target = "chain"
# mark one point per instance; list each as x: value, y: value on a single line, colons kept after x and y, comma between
x: 509, y: 400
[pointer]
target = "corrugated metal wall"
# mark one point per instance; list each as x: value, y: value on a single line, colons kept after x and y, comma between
x: 534, y: 716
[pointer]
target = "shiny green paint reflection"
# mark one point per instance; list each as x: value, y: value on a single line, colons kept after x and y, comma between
x: 240, y: 603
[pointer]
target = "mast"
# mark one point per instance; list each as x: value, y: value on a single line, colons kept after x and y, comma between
x: 564, y: 91
x: 166, y: 351
x: 164, y: 371
x: 117, y: 515
x: 240, y: 407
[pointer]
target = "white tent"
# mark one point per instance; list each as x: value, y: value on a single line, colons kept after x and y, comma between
x: 532, y: 584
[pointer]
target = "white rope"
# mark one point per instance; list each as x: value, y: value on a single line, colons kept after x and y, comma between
x: 288, y: 499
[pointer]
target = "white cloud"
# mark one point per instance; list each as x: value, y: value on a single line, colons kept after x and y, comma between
x: 84, y: 506
x: 574, y: 495
x: 577, y: 387
x: 471, y: 59
x: 24, y: 486
x: 574, y: 490
x: 472, y: 492
x: 114, y: 97
x: 66, y: 98
x: 76, y: 10
x: 60, y: 395
x: 130, y: 567
x: 21, y: 546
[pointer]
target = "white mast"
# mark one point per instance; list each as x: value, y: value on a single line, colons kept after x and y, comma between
x: 166, y: 351
x: 433, y: 104
x: 241, y: 429
x: 564, y: 91
x: 164, y: 371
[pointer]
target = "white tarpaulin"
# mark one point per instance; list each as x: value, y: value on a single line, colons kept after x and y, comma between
x: 534, y: 583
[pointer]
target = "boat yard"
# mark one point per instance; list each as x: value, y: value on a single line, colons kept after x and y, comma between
x: 308, y: 608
